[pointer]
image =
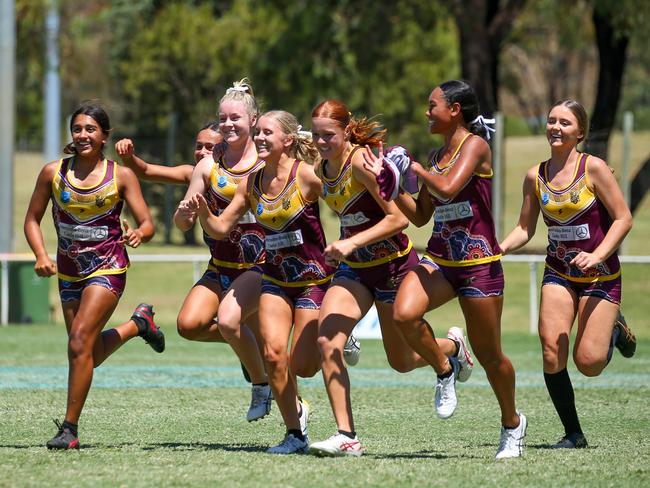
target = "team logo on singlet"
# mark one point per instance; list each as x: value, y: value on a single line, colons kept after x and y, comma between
x: 65, y: 196
x: 575, y: 196
x: 100, y: 201
x: 221, y: 181
x: 545, y: 198
x: 286, y: 204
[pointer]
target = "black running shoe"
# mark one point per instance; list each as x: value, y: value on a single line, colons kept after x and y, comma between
x: 572, y: 441
x: 244, y: 371
x: 147, y: 329
x: 64, y: 439
x: 626, y: 342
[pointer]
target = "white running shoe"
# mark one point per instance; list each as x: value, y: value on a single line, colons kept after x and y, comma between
x: 304, y: 417
x: 464, y: 357
x: 261, y: 397
x: 445, y: 392
x: 352, y: 351
x: 511, y: 444
x: 337, y: 445
x: 289, y: 445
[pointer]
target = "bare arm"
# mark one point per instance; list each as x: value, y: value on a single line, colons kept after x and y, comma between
x: 129, y: 187
x: 608, y: 192
x: 219, y: 227
x: 32, y: 227
x: 476, y: 152
x: 180, y: 174
x: 528, y: 216
x: 392, y: 223
x: 184, y: 217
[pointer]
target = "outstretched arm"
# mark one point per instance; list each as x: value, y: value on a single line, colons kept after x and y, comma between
x: 525, y: 229
x: 184, y: 217
x: 219, y: 227
x: 180, y: 174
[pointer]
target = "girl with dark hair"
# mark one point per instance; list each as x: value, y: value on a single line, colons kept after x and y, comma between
x: 462, y: 257
x: 196, y: 319
x: 587, y: 219
x: 87, y: 198
x: 283, y: 196
x: 231, y: 284
x: 372, y: 255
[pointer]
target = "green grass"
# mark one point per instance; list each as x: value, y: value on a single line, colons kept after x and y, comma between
x: 188, y: 435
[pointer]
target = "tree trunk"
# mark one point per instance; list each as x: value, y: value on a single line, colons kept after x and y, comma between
x: 612, y: 48
x: 482, y: 27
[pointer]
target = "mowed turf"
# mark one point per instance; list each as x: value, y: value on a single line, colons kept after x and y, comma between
x: 177, y: 419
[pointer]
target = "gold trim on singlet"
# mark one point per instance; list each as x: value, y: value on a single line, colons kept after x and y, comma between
x: 460, y: 264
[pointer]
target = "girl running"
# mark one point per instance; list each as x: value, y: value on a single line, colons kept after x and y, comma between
x: 462, y: 258
x: 373, y: 256
x: 284, y: 199
x: 196, y: 319
x: 229, y: 289
x: 87, y: 193
x: 587, y: 219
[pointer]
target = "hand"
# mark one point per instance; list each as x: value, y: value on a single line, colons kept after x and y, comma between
x: 45, y: 267
x: 131, y: 237
x: 417, y: 168
x: 585, y: 261
x: 199, y: 205
x: 186, y: 210
x: 371, y: 162
x: 124, y: 148
x: 338, y: 250
x: 219, y: 150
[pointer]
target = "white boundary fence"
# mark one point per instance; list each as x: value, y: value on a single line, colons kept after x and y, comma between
x: 198, y: 262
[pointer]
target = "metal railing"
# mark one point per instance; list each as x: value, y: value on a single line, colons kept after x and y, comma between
x: 199, y: 260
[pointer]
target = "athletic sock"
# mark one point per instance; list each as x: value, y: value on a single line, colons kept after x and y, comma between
x: 351, y: 435
x: 260, y: 384
x: 615, y: 333
x: 447, y: 374
x: 455, y: 354
x: 560, y: 390
x: 141, y: 324
x: 297, y: 433
x: 71, y: 427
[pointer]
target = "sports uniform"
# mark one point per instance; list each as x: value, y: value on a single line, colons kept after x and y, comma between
x: 295, y: 242
x: 380, y: 266
x: 577, y: 221
x: 463, y: 245
x: 90, y: 249
x: 243, y: 249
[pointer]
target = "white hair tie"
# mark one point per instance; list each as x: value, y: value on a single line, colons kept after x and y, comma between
x: 485, y: 123
x: 242, y: 89
x: 303, y: 133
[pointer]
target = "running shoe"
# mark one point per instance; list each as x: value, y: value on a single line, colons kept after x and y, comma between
x: 337, y: 445
x: 352, y: 351
x: 464, y: 357
x: 289, y: 445
x: 445, y: 392
x: 147, y: 329
x: 575, y: 440
x: 511, y: 443
x: 64, y: 438
x: 626, y: 341
x: 260, y: 407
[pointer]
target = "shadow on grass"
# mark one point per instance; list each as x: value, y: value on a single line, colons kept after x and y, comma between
x: 202, y: 446
x: 419, y: 455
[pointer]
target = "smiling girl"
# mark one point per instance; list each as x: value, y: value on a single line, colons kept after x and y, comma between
x: 87, y: 193
x: 587, y: 219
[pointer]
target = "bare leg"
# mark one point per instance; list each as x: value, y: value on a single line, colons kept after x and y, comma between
x: 344, y: 304
x: 195, y: 320
x: 596, y: 318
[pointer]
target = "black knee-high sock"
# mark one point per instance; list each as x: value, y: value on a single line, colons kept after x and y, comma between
x: 561, y: 391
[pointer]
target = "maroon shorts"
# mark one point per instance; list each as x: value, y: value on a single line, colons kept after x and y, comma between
x: 70, y: 291
x: 610, y: 290
x: 224, y: 276
x: 382, y: 280
x: 480, y: 280
x: 308, y: 297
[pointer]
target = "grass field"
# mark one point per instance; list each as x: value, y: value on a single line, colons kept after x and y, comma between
x: 177, y: 419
